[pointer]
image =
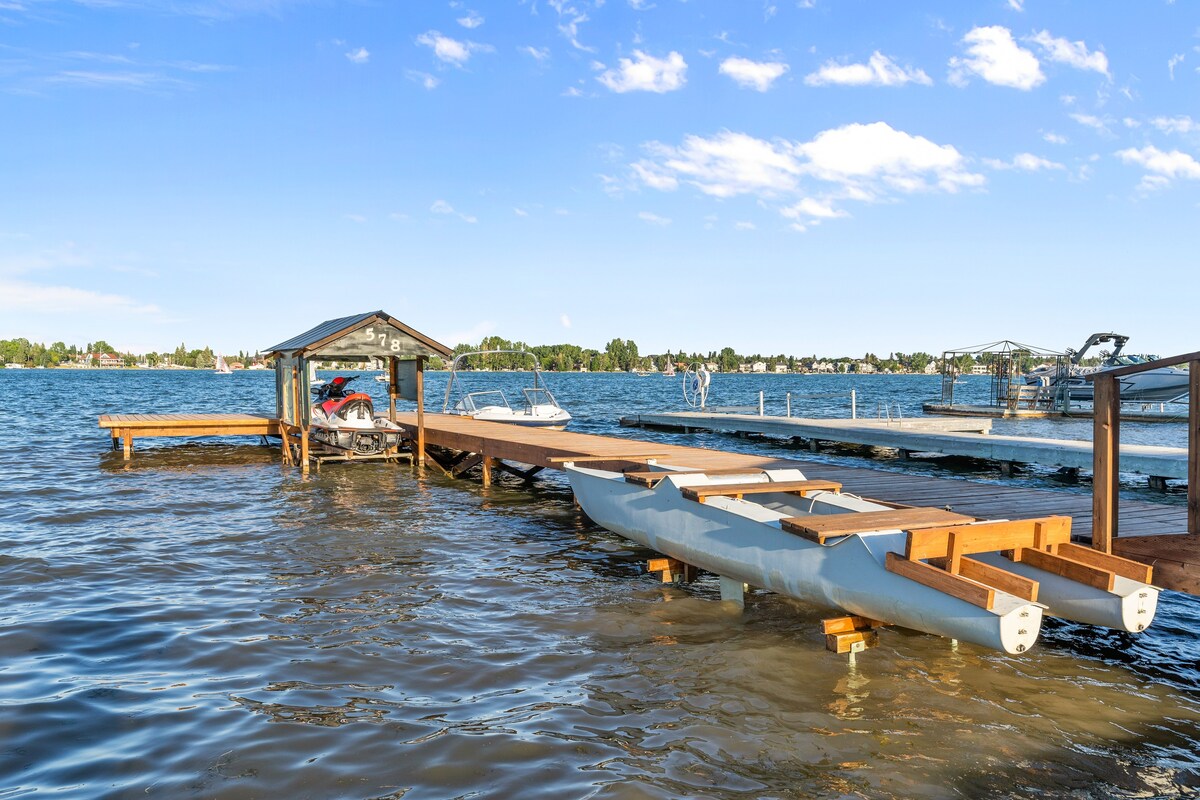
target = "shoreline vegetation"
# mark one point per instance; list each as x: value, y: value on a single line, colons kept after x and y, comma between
x: 619, y: 355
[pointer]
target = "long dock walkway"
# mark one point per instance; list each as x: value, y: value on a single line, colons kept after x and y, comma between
x: 1176, y: 557
x: 918, y: 435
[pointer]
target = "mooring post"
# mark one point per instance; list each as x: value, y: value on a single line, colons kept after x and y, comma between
x: 789, y: 404
x: 485, y: 472
x: 1106, y: 455
x: 853, y: 404
x: 760, y: 403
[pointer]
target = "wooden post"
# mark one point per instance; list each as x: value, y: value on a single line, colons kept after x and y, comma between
x: 486, y: 471
x: 127, y: 439
x: 1106, y: 456
x: 1194, y: 447
x: 421, y: 410
x: 393, y: 374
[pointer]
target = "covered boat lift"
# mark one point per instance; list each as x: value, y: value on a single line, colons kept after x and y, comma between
x: 363, y: 338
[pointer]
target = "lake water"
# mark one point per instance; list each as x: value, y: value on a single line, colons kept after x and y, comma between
x: 206, y: 623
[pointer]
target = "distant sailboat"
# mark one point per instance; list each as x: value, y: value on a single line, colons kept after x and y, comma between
x: 669, y: 370
x: 222, y: 368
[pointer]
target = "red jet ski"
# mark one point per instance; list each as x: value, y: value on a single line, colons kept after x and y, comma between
x: 344, y: 421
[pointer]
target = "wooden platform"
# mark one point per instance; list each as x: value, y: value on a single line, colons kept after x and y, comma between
x: 1146, y: 528
x: 126, y: 427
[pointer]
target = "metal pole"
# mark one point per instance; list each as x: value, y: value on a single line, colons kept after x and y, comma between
x: 853, y: 404
x: 760, y: 402
x: 789, y: 404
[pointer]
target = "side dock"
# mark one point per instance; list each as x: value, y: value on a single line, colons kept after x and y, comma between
x: 930, y: 436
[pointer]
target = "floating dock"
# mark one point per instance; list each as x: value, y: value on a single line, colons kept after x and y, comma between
x: 1176, y: 415
x: 931, y: 436
x: 126, y: 427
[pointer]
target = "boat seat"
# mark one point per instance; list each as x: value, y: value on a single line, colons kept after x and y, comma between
x: 651, y: 478
x: 736, y: 490
x: 820, y: 527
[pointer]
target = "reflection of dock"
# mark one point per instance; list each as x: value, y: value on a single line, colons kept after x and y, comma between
x: 466, y: 444
x: 949, y: 436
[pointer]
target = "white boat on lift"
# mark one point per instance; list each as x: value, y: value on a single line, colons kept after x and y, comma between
x: 539, y: 410
x: 1163, y: 384
x: 927, y: 569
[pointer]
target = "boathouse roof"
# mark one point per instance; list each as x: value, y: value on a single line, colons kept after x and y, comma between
x: 370, y: 335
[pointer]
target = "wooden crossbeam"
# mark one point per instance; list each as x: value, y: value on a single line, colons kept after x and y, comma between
x: 671, y: 568
x: 987, y: 537
x: 818, y: 528
x: 1134, y: 570
x: 1000, y: 579
x: 1066, y: 567
x: 849, y: 623
x: 736, y: 490
x: 954, y: 585
x: 851, y: 641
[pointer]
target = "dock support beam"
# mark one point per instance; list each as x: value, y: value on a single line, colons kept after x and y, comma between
x: 485, y: 471
x: 1194, y: 447
x: 1106, y: 420
x: 420, y: 454
x: 733, y: 591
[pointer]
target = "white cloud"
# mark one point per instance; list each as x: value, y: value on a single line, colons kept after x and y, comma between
x: 357, y: 218
x: 646, y: 73
x: 569, y: 20
x: 450, y: 50
x: 878, y: 71
x: 423, y: 78
x: 1016, y: 5
x: 1024, y: 161
x: 537, y: 53
x: 359, y: 56
x: 653, y: 219
x: 1091, y: 121
x: 758, y: 75
x: 565, y: 320
x: 1161, y: 167
x: 855, y: 162
x: 471, y: 20
x: 441, y: 207
x: 1174, y: 62
x: 33, y: 298
x: 745, y: 226
x: 520, y: 212
x: 1176, y: 124
x: 992, y: 54
x: 1073, y: 54
x: 1054, y: 138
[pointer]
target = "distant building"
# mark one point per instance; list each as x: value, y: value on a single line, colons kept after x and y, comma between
x: 981, y: 369
x: 864, y: 367
x: 781, y: 368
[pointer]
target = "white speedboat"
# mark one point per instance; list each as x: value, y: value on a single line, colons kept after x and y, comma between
x: 1154, y: 385
x: 539, y: 409
x: 922, y: 568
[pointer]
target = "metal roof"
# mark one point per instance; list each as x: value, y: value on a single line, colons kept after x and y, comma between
x: 331, y: 329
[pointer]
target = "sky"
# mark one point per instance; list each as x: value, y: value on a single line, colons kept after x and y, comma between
x: 787, y: 176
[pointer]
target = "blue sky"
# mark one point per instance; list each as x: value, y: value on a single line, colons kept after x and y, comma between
x: 780, y: 176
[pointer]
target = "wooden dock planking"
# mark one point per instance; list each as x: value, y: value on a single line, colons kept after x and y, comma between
x: 1144, y: 526
x: 126, y: 427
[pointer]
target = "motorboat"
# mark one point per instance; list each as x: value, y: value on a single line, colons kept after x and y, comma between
x: 928, y: 569
x: 539, y: 409
x: 1161, y: 384
x: 344, y: 422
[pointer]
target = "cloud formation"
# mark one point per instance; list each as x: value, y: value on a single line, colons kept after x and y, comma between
x: 865, y: 163
x: 450, y: 50
x: 878, y: 71
x: 1161, y: 167
x: 992, y: 54
x: 359, y: 56
x: 1073, y: 54
x: 645, y: 73
x: 757, y: 75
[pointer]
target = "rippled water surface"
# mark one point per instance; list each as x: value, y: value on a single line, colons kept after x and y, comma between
x: 206, y: 623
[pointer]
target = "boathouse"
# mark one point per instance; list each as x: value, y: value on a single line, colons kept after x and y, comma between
x: 359, y: 338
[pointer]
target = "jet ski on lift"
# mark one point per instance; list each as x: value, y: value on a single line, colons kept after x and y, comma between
x: 344, y: 422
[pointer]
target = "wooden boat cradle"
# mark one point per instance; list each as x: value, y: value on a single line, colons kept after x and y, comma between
x: 937, y: 549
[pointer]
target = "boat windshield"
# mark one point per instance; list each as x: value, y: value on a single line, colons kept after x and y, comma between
x: 539, y: 397
x: 478, y: 400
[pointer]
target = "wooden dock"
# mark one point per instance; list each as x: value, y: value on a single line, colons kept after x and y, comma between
x: 1150, y: 532
x: 126, y: 427
x: 931, y: 436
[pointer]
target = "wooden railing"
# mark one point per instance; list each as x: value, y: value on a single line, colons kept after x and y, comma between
x: 1106, y: 446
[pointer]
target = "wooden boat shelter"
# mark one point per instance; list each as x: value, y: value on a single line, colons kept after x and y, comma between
x: 363, y: 338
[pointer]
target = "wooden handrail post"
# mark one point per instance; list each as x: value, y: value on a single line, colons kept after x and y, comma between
x: 1106, y: 454
x: 1194, y: 447
x: 420, y: 410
